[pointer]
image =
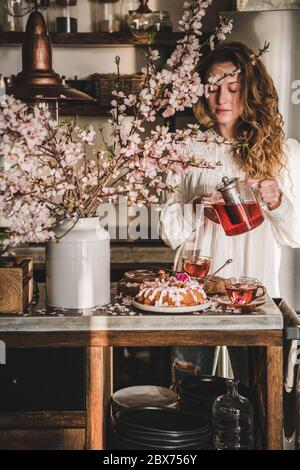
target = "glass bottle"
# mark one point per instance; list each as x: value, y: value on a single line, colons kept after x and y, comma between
x: 50, y: 11
x: 13, y: 13
x: 127, y: 8
x: 142, y: 20
x: 162, y: 23
x: 109, y: 16
x: 44, y: 8
x: 66, y: 16
x: 232, y: 420
x: 2, y: 85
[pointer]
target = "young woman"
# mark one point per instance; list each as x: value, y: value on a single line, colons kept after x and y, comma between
x: 242, y: 113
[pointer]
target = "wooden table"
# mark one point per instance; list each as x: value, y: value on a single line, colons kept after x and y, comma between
x: 99, y: 331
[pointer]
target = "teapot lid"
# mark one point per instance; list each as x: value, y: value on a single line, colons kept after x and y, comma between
x: 227, y: 183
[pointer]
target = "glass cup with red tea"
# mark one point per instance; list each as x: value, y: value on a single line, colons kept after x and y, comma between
x: 243, y: 290
x: 196, y: 265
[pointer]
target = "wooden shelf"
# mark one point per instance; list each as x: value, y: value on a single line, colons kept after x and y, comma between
x: 97, y: 40
x: 42, y: 419
x: 94, y: 39
x: 83, y: 109
x: 94, y: 109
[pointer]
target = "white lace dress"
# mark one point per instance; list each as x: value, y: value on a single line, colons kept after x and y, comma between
x: 256, y: 253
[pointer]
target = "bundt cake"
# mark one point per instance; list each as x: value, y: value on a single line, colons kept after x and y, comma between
x: 171, y: 291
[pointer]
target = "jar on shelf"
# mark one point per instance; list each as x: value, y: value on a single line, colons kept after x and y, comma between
x: 109, y: 16
x: 14, y: 14
x: 232, y: 420
x: 2, y: 85
x: 127, y: 8
x: 162, y: 22
x: 50, y: 10
x: 142, y: 20
x: 44, y: 7
x: 66, y: 16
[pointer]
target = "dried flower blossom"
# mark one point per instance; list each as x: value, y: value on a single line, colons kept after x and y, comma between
x: 184, y: 277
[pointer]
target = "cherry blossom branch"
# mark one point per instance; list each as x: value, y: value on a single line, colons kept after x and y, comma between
x: 232, y: 73
x: 48, y: 175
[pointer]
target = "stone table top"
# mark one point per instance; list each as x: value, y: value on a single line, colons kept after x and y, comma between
x: 121, y: 316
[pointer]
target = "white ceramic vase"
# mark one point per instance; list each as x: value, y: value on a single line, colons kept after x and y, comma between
x: 78, y: 266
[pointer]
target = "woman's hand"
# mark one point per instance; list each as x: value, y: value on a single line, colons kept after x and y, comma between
x: 270, y: 192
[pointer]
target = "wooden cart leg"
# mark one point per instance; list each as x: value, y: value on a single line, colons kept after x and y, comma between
x: 274, y: 397
x: 98, y: 393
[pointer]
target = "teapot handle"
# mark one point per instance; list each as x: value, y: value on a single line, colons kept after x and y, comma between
x: 209, y: 210
x: 264, y: 291
x: 256, y: 189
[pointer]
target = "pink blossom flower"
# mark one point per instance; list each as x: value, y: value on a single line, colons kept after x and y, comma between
x: 184, y: 277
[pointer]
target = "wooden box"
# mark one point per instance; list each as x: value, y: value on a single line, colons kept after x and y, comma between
x: 105, y: 84
x: 16, y: 284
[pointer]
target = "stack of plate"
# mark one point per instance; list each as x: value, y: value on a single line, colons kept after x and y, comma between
x: 198, y: 392
x: 160, y: 428
x: 143, y: 395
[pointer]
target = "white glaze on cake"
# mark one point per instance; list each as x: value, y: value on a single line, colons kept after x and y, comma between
x: 171, y: 288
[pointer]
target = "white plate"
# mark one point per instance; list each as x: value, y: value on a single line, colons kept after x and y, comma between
x: 189, y: 309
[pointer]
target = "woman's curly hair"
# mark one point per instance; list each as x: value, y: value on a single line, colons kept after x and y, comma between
x: 260, y: 128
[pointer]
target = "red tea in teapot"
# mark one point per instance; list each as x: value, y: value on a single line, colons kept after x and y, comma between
x: 238, y: 218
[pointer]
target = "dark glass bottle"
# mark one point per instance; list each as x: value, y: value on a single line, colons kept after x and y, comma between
x: 66, y: 19
x: 232, y: 420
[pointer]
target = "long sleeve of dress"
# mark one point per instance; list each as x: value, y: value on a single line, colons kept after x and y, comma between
x: 285, y: 220
x: 177, y: 220
x: 256, y: 253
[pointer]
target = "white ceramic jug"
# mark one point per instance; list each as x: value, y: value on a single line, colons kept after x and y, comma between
x: 78, y: 266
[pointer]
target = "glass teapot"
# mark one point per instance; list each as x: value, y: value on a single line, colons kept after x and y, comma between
x: 236, y: 204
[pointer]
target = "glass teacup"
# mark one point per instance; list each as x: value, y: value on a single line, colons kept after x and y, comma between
x: 196, y: 265
x: 243, y: 290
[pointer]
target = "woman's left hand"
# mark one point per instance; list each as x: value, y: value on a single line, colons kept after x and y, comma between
x: 270, y: 192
